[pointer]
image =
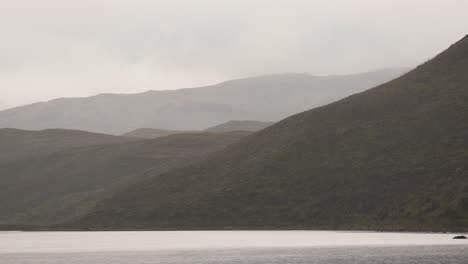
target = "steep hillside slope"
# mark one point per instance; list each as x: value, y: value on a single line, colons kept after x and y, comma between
x: 239, y: 125
x: 391, y: 158
x: 57, y: 187
x: 266, y: 98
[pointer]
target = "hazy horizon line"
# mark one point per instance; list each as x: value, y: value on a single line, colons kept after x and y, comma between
x: 5, y: 105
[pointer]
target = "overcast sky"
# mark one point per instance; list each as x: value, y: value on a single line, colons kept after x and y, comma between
x: 63, y: 48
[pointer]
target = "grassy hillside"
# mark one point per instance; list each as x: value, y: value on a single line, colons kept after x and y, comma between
x: 391, y: 158
x: 239, y: 125
x: 63, y: 185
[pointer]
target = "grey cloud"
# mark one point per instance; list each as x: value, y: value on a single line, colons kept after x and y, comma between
x: 53, y: 48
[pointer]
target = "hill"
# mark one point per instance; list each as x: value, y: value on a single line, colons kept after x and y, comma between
x: 239, y: 125
x: 63, y: 185
x: 390, y: 158
x: 152, y: 133
x: 230, y: 126
x: 261, y: 98
x: 16, y: 144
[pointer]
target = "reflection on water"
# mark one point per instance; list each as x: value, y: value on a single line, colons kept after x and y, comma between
x: 226, y: 247
x: 325, y: 255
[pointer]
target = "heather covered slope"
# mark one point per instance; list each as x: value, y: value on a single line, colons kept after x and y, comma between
x: 265, y: 98
x: 391, y: 158
x: 61, y: 186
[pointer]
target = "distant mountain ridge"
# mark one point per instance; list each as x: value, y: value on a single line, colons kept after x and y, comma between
x: 265, y: 98
x: 390, y: 158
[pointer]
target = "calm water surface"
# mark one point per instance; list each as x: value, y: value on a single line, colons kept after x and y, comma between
x: 226, y: 247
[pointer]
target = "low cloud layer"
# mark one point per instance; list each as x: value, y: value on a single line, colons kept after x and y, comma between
x: 57, y: 48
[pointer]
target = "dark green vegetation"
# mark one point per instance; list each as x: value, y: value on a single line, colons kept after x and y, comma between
x: 239, y: 125
x: 391, y: 158
x: 58, y: 175
x: 261, y: 98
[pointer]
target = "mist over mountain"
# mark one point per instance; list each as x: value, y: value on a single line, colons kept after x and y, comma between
x: 265, y: 98
x: 239, y: 125
x: 52, y: 176
x: 152, y: 133
x: 3, y: 105
x: 390, y: 158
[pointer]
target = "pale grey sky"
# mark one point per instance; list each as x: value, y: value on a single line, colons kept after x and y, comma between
x: 63, y: 48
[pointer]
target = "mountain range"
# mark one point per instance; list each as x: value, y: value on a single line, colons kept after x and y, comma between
x: 390, y: 158
x: 265, y: 98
